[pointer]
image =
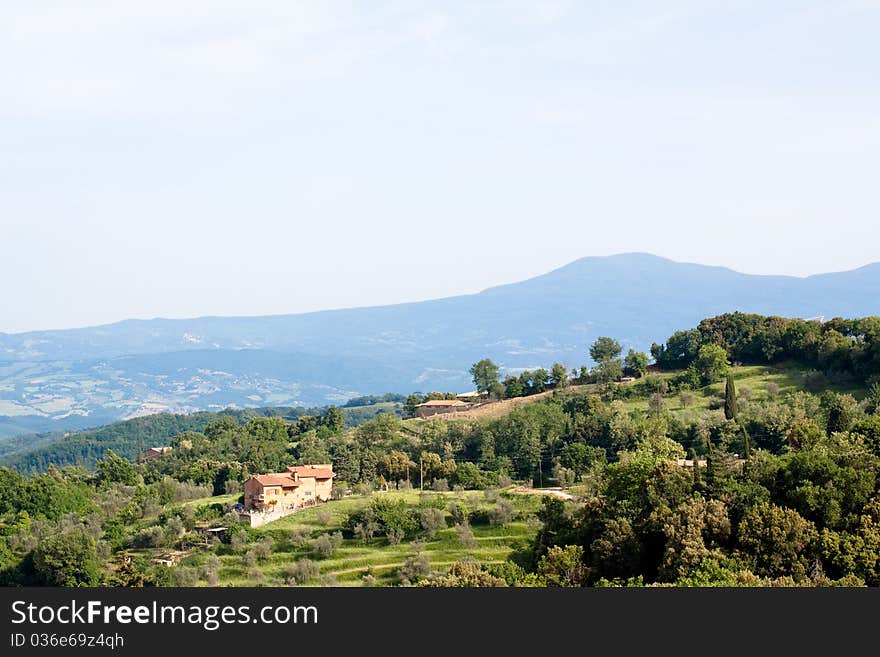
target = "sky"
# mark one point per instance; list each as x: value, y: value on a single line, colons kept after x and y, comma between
x: 180, y: 158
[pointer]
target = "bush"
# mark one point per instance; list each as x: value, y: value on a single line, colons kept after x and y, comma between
x: 395, y: 536
x: 239, y: 540
x: 465, y: 536
x: 815, y: 381
x: 324, y: 515
x: 458, y: 513
x: 301, y: 572
x: 415, y: 568
x: 67, y: 559
x: 431, y: 520
x: 469, y: 475
x: 255, y: 576
x: 186, y: 576
x: 149, y: 537
x: 326, y: 544
x: 502, y: 513
x: 440, y: 485
x: 298, y: 537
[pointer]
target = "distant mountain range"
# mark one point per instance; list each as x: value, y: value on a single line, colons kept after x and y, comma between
x: 85, y: 377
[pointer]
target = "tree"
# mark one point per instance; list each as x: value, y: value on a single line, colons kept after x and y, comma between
x: 697, y: 479
x: 636, y: 363
x: 114, y: 469
x: 485, y: 374
x: 730, y: 398
x: 563, y: 566
x: 711, y: 363
x: 465, y: 573
x: 409, y: 406
x: 431, y: 520
x: 679, y: 351
x: 779, y: 539
x: 559, y: 375
x: 539, y: 380
x: 68, y: 559
x: 839, y: 410
x: 334, y: 419
x: 606, y: 352
x: 513, y: 387
x: 605, y: 348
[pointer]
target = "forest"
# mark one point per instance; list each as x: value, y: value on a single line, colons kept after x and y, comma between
x: 746, y: 454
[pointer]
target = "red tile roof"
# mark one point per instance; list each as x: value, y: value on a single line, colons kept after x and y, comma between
x: 316, y: 471
x: 443, y: 402
x: 276, y: 479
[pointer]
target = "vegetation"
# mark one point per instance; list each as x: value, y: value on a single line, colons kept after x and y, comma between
x: 782, y: 486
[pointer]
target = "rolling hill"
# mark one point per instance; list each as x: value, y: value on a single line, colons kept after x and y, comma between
x: 65, y: 379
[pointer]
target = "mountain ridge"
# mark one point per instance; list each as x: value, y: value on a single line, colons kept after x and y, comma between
x: 629, y: 257
x: 311, y: 359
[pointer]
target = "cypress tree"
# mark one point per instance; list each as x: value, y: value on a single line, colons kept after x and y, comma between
x: 747, y: 448
x: 710, y: 463
x: 698, y: 480
x: 730, y: 398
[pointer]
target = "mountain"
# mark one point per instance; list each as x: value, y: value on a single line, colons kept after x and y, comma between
x: 52, y: 379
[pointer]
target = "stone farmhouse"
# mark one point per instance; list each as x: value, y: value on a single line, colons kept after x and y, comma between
x: 301, y: 485
x: 437, y: 406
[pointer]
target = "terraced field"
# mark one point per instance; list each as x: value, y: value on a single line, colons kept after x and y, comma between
x: 377, y: 558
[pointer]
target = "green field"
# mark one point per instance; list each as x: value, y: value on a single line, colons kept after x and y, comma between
x: 378, y: 558
x: 753, y: 383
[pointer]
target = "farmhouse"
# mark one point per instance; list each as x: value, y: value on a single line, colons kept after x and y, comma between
x: 155, y: 452
x: 437, y: 406
x: 300, y: 486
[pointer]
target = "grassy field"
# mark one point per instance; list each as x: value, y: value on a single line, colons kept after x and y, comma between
x: 753, y: 383
x: 291, y: 539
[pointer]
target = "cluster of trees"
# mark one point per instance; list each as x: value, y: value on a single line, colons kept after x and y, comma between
x: 63, y: 527
x: 848, y: 348
x: 128, y: 437
x: 372, y: 400
x: 810, y: 515
x: 782, y: 487
x: 606, y: 352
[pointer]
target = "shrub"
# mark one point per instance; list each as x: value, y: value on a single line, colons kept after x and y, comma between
x: 255, y: 576
x: 414, y: 568
x: 324, y: 515
x: 431, y: 520
x: 465, y: 536
x: 149, y: 537
x: 301, y: 571
x: 458, y: 513
x: 501, y: 513
x: 298, y: 537
x: 186, y: 576
x: 326, y: 544
x: 440, y: 485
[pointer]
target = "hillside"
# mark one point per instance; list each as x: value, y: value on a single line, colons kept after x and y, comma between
x: 70, y: 379
x: 34, y: 453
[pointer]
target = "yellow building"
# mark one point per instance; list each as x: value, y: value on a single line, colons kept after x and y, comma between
x: 301, y: 485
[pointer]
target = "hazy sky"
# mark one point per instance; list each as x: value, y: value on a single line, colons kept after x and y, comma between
x: 175, y: 158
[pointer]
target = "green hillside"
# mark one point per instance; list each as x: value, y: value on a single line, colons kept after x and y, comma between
x: 35, y: 452
x: 706, y: 469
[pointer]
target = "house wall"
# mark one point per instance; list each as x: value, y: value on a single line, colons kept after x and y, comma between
x: 428, y: 411
x: 252, y: 489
